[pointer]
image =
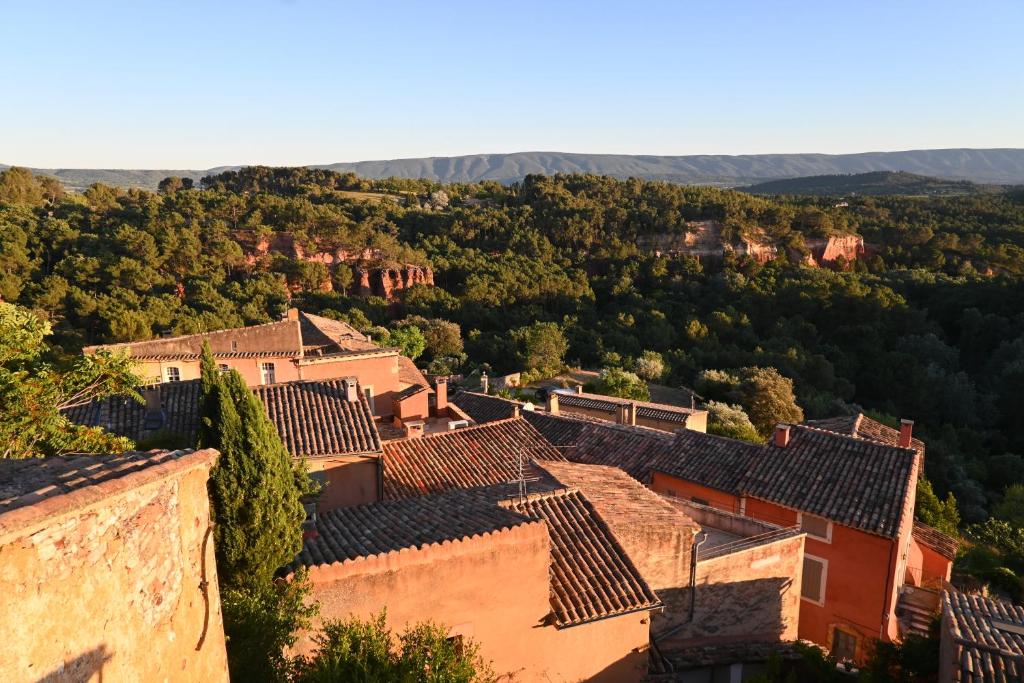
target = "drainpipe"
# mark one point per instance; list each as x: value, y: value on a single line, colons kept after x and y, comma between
x: 693, y: 575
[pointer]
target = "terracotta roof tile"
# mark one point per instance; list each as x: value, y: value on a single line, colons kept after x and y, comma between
x: 713, y: 461
x: 936, y: 540
x: 483, y: 408
x: 862, y: 426
x: 592, y: 577
x: 483, y: 455
x: 276, y: 338
x: 990, y: 637
x: 34, y: 489
x: 409, y: 374
x: 610, y: 404
x: 312, y: 417
x: 323, y: 334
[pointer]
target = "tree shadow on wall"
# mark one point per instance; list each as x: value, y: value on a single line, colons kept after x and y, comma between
x: 85, y: 667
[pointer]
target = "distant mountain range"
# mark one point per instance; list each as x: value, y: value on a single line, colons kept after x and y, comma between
x: 999, y: 166
x: 873, y: 183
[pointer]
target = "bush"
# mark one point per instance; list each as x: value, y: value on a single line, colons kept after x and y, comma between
x: 730, y: 420
x: 621, y: 383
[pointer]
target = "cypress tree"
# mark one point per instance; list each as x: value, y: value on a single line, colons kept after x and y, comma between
x: 255, y: 488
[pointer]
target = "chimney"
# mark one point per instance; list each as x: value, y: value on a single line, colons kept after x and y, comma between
x: 292, y: 314
x: 631, y: 413
x: 441, y: 395
x: 552, y: 403
x: 906, y: 433
x: 485, y: 383
x: 413, y: 429
x: 579, y: 388
x: 515, y: 411
x: 351, y: 387
x: 781, y: 435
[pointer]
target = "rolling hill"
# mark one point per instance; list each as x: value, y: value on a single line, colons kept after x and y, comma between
x: 873, y: 183
x: 976, y: 165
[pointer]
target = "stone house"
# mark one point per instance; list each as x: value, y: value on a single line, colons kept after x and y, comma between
x: 108, y: 569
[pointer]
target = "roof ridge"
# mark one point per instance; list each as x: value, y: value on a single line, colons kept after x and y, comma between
x: 855, y: 437
x: 472, y: 428
x: 560, y: 492
x: 190, y: 336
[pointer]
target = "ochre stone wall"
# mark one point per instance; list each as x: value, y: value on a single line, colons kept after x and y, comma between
x: 494, y: 589
x: 747, y: 596
x: 111, y: 592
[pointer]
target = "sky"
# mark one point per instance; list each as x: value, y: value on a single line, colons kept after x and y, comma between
x: 193, y: 85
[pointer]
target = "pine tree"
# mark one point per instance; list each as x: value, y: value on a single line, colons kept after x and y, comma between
x: 255, y: 488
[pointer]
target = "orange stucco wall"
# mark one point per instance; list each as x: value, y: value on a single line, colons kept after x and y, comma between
x: 679, y: 488
x: 864, y: 574
x: 495, y: 590
x: 379, y: 373
x: 111, y: 592
x: 415, y: 407
x: 285, y: 369
x: 348, y: 481
x: 933, y: 565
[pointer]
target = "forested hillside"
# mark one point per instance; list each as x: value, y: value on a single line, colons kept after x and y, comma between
x: 927, y: 324
x: 873, y: 183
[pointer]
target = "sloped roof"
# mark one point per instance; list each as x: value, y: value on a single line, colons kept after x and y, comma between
x: 409, y: 374
x: 483, y: 408
x: 34, y: 489
x: 862, y: 426
x: 713, y: 461
x: 646, y: 409
x: 592, y: 577
x: 631, y: 449
x: 386, y: 526
x: 936, y: 540
x: 312, y: 417
x: 483, y: 455
x: 858, y: 483
x: 990, y: 636
x: 290, y: 337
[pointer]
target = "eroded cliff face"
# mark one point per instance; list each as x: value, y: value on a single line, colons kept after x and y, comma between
x: 373, y: 274
x: 703, y: 240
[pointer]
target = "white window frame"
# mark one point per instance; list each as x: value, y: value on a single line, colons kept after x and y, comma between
x: 824, y: 580
x: 264, y: 373
x: 177, y: 373
x: 370, y: 398
x: 828, y: 533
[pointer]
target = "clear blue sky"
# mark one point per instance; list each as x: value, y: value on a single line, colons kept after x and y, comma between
x: 198, y: 84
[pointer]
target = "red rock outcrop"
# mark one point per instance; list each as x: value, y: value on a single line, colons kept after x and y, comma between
x: 829, y: 250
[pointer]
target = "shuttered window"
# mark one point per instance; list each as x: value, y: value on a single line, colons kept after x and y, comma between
x: 815, y: 571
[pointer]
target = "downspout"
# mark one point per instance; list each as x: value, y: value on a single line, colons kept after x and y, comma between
x: 693, y: 576
x: 888, y: 593
x: 380, y: 477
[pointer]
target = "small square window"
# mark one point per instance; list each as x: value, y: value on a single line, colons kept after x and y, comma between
x: 844, y: 646
x: 267, y: 373
x: 173, y: 375
x: 816, y: 527
x: 224, y: 367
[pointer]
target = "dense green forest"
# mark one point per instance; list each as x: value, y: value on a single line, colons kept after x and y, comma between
x: 873, y: 183
x: 928, y: 324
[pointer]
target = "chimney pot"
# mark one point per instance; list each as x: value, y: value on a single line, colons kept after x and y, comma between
x: 351, y: 387
x: 579, y: 388
x: 441, y: 395
x: 906, y: 433
x: 552, y: 403
x: 631, y: 413
x: 515, y: 411
x: 781, y: 435
x: 485, y: 382
x: 292, y: 314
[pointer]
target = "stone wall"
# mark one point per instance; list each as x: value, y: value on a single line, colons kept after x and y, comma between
x: 752, y: 595
x: 114, y: 591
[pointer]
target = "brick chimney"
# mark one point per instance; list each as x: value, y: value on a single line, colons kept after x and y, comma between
x: 906, y: 433
x: 781, y: 435
x: 552, y: 403
x: 351, y: 387
x: 441, y: 395
x: 413, y: 429
x: 292, y: 314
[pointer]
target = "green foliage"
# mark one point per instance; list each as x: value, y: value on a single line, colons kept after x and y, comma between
x: 621, y: 383
x: 255, y: 487
x: 1011, y: 508
x: 995, y: 554
x: 731, y: 421
x: 764, y: 394
x: 650, y: 366
x: 367, y: 651
x: 541, y: 348
x: 407, y: 338
x: 33, y: 392
x: 260, y: 621
x: 940, y: 514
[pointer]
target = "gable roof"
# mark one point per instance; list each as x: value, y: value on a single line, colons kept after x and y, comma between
x: 936, y: 540
x: 289, y: 337
x: 858, y: 483
x: 484, y: 455
x: 632, y: 449
x: 989, y: 635
x: 312, y: 417
x: 644, y: 409
x: 863, y: 427
x: 483, y: 408
x: 591, y: 576
x: 409, y: 374
x: 34, y: 489
x: 714, y: 461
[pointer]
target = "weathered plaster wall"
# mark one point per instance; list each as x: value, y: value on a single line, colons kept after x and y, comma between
x: 377, y: 372
x: 747, y: 596
x: 112, y: 592
x: 495, y: 590
x: 679, y: 488
x: 349, y: 480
